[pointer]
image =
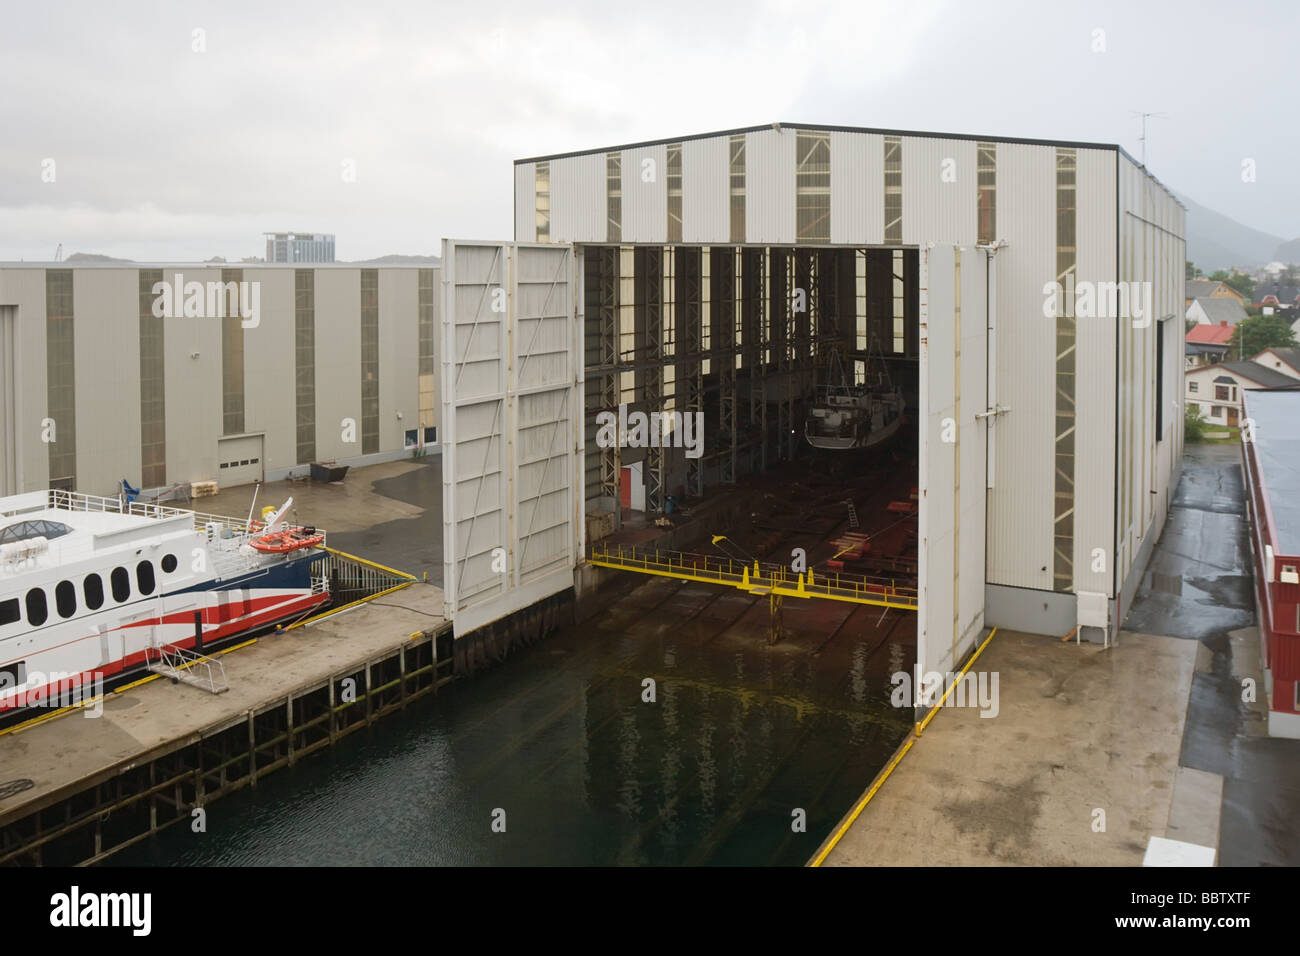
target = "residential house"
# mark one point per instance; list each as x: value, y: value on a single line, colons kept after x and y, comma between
x: 1217, y: 389
x: 1209, y: 289
x: 1286, y: 361
x: 1206, y: 344
x: 1207, y: 310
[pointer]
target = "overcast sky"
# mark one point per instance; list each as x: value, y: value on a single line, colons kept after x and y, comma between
x: 162, y: 152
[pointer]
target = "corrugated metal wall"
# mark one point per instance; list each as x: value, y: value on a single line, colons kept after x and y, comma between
x: 1020, y: 501
x: 706, y: 203
x: 938, y: 191
x: 1094, y: 381
x: 645, y: 195
x: 578, y: 197
x: 106, y: 316
x: 940, y: 204
x: 769, y: 188
x: 857, y: 188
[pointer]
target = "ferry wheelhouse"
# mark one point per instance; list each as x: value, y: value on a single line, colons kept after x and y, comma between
x: 90, y: 587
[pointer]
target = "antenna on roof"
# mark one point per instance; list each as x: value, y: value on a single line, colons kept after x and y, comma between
x: 58, y: 253
x: 1143, y: 138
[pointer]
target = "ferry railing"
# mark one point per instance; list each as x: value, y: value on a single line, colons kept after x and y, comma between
x: 865, y: 589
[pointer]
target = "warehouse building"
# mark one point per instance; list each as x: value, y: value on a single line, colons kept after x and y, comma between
x: 1027, y: 293
x: 164, y: 375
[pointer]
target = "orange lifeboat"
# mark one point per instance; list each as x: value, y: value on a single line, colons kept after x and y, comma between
x: 291, y: 539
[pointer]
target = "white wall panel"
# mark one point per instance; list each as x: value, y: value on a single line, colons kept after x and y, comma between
x: 338, y: 362
x: 1094, y: 437
x: 769, y: 186
x: 645, y: 195
x: 192, y: 384
x: 706, y: 190
x: 936, y: 209
x: 399, y: 354
x: 270, y: 396
x: 1021, y: 500
x: 857, y: 188
x: 578, y: 199
x: 25, y: 289
x: 106, y: 344
x: 951, y: 486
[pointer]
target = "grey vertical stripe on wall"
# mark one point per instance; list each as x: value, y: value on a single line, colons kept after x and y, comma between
x: 369, y: 361
x: 813, y: 187
x: 425, y: 365
x: 614, y: 196
x: 61, y: 377
x: 232, y: 355
x: 153, y: 379
x: 737, y: 174
x: 893, y: 190
x: 1066, y: 268
x: 673, y: 174
x: 304, y: 362
x: 986, y: 173
x: 543, y: 201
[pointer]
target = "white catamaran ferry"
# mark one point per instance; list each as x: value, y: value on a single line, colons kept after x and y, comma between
x: 90, y: 588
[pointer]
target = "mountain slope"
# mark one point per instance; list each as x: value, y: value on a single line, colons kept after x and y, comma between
x: 1216, y: 242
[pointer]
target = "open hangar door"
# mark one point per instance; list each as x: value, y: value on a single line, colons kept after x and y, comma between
x: 511, y: 396
x: 955, y: 330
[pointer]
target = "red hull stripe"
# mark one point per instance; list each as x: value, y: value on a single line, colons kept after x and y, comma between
x: 85, y: 679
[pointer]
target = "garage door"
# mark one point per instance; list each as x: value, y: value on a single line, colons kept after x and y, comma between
x: 954, y: 381
x: 239, y: 460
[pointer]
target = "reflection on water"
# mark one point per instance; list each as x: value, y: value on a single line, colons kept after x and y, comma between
x: 739, y: 736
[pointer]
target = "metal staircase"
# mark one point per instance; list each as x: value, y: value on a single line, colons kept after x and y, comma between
x: 853, y: 516
x: 187, y: 667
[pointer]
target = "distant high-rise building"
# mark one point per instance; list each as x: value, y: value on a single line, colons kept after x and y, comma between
x: 299, y: 247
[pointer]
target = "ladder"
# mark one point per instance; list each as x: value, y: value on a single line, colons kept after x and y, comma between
x: 853, y: 516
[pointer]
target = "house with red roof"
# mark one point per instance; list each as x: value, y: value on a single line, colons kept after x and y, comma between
x: 1206, y: 344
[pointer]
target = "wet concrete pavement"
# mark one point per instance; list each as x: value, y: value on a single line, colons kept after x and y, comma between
x: 1199, y: 587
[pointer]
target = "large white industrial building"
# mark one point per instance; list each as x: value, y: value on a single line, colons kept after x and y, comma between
x: 1028, y: 294
x: 171, y: 374
x: 1049, y: 416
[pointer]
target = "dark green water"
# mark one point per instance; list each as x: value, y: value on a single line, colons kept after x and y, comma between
x: 559, y: 737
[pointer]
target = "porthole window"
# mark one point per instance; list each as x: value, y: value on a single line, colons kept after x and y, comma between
x: 37, y: 610
x: 121, y: 582
x: 144, y: 577
x: 65, y: 598
x: 9, y: 612
x: 168, y: 563
x: 92, y: 589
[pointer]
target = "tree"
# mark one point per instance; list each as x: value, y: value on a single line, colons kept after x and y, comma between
x: 1243, y: 284
x: 1192, y: 271
x: 1194, y: 426
x: 1255, y: 333
x: 1290, y: 275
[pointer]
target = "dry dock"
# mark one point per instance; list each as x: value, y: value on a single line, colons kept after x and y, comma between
x: 75, y: 789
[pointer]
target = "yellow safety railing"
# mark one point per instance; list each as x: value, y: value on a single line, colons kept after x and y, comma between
x: 757, y: 577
